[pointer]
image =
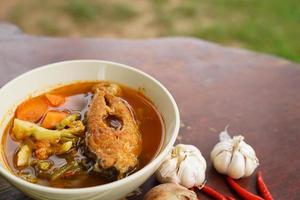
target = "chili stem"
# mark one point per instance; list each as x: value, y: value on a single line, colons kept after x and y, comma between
x: 262, y: 187
x: 242, y: 192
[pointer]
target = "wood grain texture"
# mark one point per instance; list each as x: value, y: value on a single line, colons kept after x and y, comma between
x: 214, y: 86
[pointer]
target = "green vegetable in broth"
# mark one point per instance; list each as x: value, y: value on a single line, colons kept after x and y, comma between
x: 61, y: 171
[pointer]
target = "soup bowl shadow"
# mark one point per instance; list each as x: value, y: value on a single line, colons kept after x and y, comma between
x: 47, y: 77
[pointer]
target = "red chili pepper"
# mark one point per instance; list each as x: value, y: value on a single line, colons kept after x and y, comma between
x: 212, y: 193
x: 242, y: 192
x: 263, y: 190
x: 230, y: 198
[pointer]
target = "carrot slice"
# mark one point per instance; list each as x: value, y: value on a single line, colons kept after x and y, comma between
x: 53, y: 118
x: 55, y: 99
x: 33, y: 109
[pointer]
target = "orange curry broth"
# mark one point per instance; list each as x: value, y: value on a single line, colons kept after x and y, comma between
x: 77, y: 97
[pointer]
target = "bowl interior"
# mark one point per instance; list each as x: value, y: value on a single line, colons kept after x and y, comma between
x: 45, y: 78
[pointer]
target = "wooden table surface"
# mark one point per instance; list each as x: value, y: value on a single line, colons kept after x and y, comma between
x: 257, y: 95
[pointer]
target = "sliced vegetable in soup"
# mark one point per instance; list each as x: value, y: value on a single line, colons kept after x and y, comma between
x: 83, y: 134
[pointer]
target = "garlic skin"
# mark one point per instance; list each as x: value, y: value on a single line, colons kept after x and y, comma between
x: 185, y: 165
x: 233, y: 156
x: 170, y: 191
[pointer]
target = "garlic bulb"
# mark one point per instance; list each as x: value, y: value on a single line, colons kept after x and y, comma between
x: 185, y: 165
x: 170, y: 191
x: 233, y: 156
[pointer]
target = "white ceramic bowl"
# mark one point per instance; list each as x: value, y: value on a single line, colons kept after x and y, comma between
x: 44, y: 78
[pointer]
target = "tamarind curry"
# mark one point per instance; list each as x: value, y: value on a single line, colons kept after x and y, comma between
x: 83, y: 134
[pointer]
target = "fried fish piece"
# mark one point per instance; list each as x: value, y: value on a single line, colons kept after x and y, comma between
x: 113, y: 136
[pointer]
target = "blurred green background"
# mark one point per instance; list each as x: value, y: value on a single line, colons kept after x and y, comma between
x: 271, y: 26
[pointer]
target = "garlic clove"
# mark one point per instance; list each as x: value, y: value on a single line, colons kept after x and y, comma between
x: 221, y: 146
x: 236, y: 168
x: 186, y: 149
x: 222, y: 161
x: 167, y: 172
x: 247, y: 150
x: 191, y: 172
x: 186, y: 174
x: 202, y: 161
x: 250, y: 166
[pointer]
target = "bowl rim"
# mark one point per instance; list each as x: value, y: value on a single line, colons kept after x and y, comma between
x: 15, y: 179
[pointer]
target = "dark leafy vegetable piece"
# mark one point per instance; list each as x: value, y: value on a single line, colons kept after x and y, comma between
x: 61, y: 171
x: 73, y: 171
